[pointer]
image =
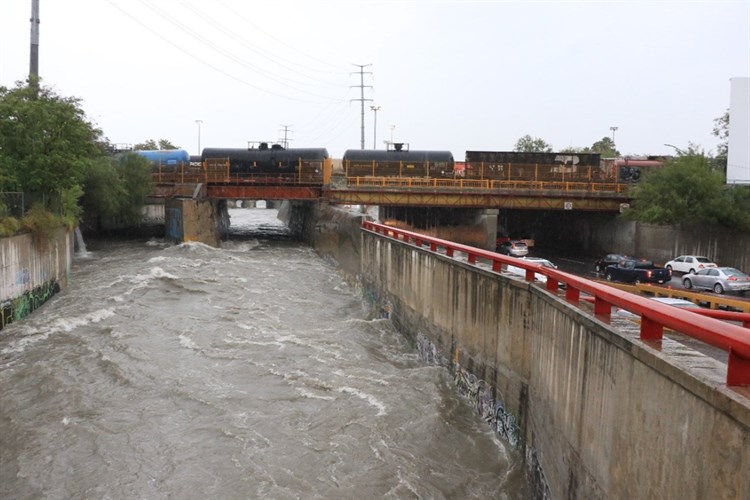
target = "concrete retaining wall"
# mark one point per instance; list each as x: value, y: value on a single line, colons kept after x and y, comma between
x: 597, y: 414
x: 32, y: 271
x: 188, y: 219
x: 602, y: 235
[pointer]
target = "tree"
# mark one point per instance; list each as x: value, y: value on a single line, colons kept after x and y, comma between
x: 605, y: 147
x: 46, y: 144
x: 721, y: 130
x: 528, y: 144
x: 115, y: 189
x: 152, y: 145
x: 688, y: 190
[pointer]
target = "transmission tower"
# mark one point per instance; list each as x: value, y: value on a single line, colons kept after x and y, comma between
x: 285, y: 141
x: 362, y: 99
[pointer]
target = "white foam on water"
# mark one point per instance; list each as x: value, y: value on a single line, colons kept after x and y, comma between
x: 371, y: 400
x: 60, y: 325
x: 187, y: 342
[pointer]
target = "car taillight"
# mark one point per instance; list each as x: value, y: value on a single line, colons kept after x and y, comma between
x: 648, y: 274
x: 731, y: 278
x: 701, y: 266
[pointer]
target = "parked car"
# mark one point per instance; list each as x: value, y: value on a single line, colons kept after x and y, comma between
x: 609, y: 260
x: 637, y: 271
x: 718, y: 279
x: 689, y: 264
x: 536, y: 260
x: 681, y: 303
x: 514, y: 248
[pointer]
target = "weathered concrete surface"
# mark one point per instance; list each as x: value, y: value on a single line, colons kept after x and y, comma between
x: 598, y: 414
x: 188, y: 219
x: 335, y: 233
x: 31, y: 271
x: 595, y: 234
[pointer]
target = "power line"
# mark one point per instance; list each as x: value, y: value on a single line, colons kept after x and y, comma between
x: 205, y: 41
x: 362, y: 99
x: 257, y: 50
x: 202, y: 61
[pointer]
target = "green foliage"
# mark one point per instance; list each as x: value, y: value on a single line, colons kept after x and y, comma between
x: 40, y: 222
x: 45, y: 140
x: 605, y: 147
x: 8, y: 225
x: 116, y: 188
x: 528, y: 144
x: 135, y: 174
x: 688, y: 191
x: 152, y: 145
x: 721, y: 130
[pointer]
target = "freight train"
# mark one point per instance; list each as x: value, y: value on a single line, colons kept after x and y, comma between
x: 265, y: 162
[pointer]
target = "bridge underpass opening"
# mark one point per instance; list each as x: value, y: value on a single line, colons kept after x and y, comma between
x: 471, y: 226
x: 560, y: 232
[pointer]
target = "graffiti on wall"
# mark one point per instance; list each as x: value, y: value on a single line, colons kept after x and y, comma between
x: 490, y: 407
x: 22, y: 306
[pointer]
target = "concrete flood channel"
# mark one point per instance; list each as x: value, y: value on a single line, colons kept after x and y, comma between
x: 597, y: 412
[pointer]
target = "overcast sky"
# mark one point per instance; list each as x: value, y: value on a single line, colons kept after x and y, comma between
x: 446, y: 75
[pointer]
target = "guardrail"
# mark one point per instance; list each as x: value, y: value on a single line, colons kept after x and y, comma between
x: 655, y: 317
x: 485, y: 184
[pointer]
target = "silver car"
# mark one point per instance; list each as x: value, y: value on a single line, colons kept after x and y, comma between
x: 718, y: 279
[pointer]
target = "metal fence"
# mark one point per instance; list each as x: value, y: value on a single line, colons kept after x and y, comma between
x: 17, y: 203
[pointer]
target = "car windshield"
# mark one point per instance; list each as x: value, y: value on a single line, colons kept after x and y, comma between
x: 703, y: 260
x: 519, y: 243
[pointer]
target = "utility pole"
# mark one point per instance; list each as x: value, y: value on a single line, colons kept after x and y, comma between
x: 285, y: 141
x: 198, y: 122
x: 613, y: 129
x: 375, y: 110
x: 362, y: 99
x: 34, y: 59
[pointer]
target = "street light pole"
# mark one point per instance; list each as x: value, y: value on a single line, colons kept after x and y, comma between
x: 613, y: 129
x: 375, y: 110
x: 198, y: 122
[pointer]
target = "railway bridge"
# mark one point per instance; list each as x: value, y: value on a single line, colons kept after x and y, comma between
x: 472, y: 201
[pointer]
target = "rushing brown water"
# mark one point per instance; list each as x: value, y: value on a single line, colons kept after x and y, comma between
x: 250, y: 371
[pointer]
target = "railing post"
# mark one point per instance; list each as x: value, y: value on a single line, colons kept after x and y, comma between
x: 572, y: 294
x: 650, y: 329
x: 603, y: 307
x: 738, y: 369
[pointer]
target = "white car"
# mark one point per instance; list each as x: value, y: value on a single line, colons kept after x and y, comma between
x: 681, y: 303
x: 689, y: 264
x: 536, y: 260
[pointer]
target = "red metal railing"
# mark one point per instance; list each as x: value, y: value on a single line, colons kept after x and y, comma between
x: 655, y: 316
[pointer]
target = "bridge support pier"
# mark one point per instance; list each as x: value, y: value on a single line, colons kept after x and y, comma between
x: 189, y: 219
x: 470, y: 226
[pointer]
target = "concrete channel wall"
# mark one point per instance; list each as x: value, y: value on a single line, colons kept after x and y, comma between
x: 598, y: 234
x: 596, y: 413
x: 31, y: 271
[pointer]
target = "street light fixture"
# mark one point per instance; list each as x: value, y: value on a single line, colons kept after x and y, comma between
x: 198, y: 122
x: 613, y: 129
x: 375, y: 110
